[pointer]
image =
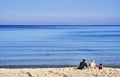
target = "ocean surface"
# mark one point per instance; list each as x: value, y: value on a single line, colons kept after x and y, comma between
x: 48, y: 45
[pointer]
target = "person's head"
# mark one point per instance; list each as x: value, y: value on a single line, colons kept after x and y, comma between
x: 83, y: 60
x: 100, y: 64
x: 92, y: 61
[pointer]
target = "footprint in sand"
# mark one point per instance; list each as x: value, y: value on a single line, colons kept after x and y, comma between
x: 65, y: 75
x: 29, y: 74
x: 50, y: 71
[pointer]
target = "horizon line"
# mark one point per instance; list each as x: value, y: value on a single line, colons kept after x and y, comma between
x: 59, y: 25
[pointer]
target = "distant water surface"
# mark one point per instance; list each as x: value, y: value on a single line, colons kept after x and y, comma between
x: 59, y: 45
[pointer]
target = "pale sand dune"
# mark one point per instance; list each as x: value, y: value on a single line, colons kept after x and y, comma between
x: 59, y: 72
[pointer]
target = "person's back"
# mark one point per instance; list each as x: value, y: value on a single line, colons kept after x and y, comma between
x: 92, y: 64
x: 100, y: 67
x: 82, y: 64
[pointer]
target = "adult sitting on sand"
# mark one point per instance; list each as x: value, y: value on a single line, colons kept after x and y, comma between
x: 92, y: 64
x: 82, y: 65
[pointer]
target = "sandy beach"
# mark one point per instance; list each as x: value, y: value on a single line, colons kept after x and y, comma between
x: 59, y: 72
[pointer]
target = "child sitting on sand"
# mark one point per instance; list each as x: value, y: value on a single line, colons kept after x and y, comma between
x: 100, y: 67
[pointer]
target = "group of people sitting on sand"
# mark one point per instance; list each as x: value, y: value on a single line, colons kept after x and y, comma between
x: 92, y: 65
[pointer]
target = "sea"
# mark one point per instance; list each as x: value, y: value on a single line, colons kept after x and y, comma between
x: 59, y: 45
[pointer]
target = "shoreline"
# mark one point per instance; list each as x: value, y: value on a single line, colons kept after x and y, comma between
x: 46, y: 66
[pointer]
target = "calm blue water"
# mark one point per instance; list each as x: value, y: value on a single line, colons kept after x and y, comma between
x: 59, y: 45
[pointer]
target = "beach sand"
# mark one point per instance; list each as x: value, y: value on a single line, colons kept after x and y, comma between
x: 59, y: 72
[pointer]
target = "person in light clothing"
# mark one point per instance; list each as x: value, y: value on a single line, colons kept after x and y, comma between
x: 92, y: 64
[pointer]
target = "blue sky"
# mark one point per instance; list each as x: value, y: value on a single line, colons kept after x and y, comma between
x: 60, y: 12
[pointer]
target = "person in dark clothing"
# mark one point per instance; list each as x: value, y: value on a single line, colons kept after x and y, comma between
x: 100, y: 67
x: 82, y: 65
